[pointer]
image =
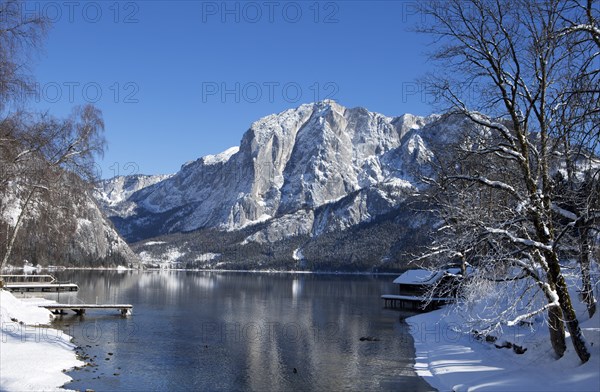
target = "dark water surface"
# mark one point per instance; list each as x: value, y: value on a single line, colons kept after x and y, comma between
x: 205, y: 331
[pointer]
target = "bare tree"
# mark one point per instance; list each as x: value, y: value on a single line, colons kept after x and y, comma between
x: 511, y: 59
x: 20, y: 36
x: 36, y: 151
x: 576, y: 109
x: 47, y: 150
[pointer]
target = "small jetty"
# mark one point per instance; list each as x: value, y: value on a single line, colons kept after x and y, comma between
x: 124, y: 309
x: 36, y: 283
x: 48, y: 284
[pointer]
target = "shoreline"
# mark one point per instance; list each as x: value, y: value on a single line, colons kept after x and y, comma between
x: 292, y: 272
x: 34, y: 356
x: 451, y: 360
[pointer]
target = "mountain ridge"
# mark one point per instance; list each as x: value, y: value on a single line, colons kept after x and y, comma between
x: 315, y: 169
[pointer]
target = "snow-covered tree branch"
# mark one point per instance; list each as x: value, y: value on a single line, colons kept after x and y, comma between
x: 518, y: 190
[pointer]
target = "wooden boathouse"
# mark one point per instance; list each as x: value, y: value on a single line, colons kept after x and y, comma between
x: 424, y: 290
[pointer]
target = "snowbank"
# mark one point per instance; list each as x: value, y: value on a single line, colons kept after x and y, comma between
x: 32, y: 356
x: 452, y: 360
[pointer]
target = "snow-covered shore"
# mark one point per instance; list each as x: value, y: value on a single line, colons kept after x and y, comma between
x: 451, y: 360
x: 32, y: 355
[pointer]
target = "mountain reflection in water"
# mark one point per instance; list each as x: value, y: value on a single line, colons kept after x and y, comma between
x: 239, y: 331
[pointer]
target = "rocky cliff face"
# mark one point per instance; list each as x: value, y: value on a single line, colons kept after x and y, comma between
x: 316, y: 169
x: 95, y: 241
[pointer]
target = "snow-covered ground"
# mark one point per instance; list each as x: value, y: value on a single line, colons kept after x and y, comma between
x: 168, y: 259
x: 452, y: 360
x: 32, y: 355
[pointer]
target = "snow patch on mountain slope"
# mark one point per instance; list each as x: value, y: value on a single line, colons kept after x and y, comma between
x: 298, y: 255
x: 220, y: 158
x: 118, y: 189
x: 207, y: 257
x: 149, y: 243
x: 166, y: 259
x: 230, y: 226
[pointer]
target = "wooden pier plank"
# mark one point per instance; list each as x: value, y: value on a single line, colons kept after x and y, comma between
x: 87, y: 306
x: 81, y: 308
x: 49, y: 287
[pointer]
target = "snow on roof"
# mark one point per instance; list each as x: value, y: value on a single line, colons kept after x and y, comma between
x: 419, y: 276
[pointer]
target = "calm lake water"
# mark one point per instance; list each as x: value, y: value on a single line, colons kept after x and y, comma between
x: 239, y: 331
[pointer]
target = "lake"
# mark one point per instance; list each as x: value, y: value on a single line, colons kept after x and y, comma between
x: 239, y: 331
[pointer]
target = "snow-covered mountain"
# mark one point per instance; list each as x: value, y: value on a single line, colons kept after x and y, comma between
x: 307, y: 171
x: 113, y: 194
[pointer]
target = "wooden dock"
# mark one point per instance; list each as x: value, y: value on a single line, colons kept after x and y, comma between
x: 124, y: 309
x: 42, y: 287
x: 36, y: 283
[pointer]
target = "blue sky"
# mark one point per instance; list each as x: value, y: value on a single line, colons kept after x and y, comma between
x: 179, y: 80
